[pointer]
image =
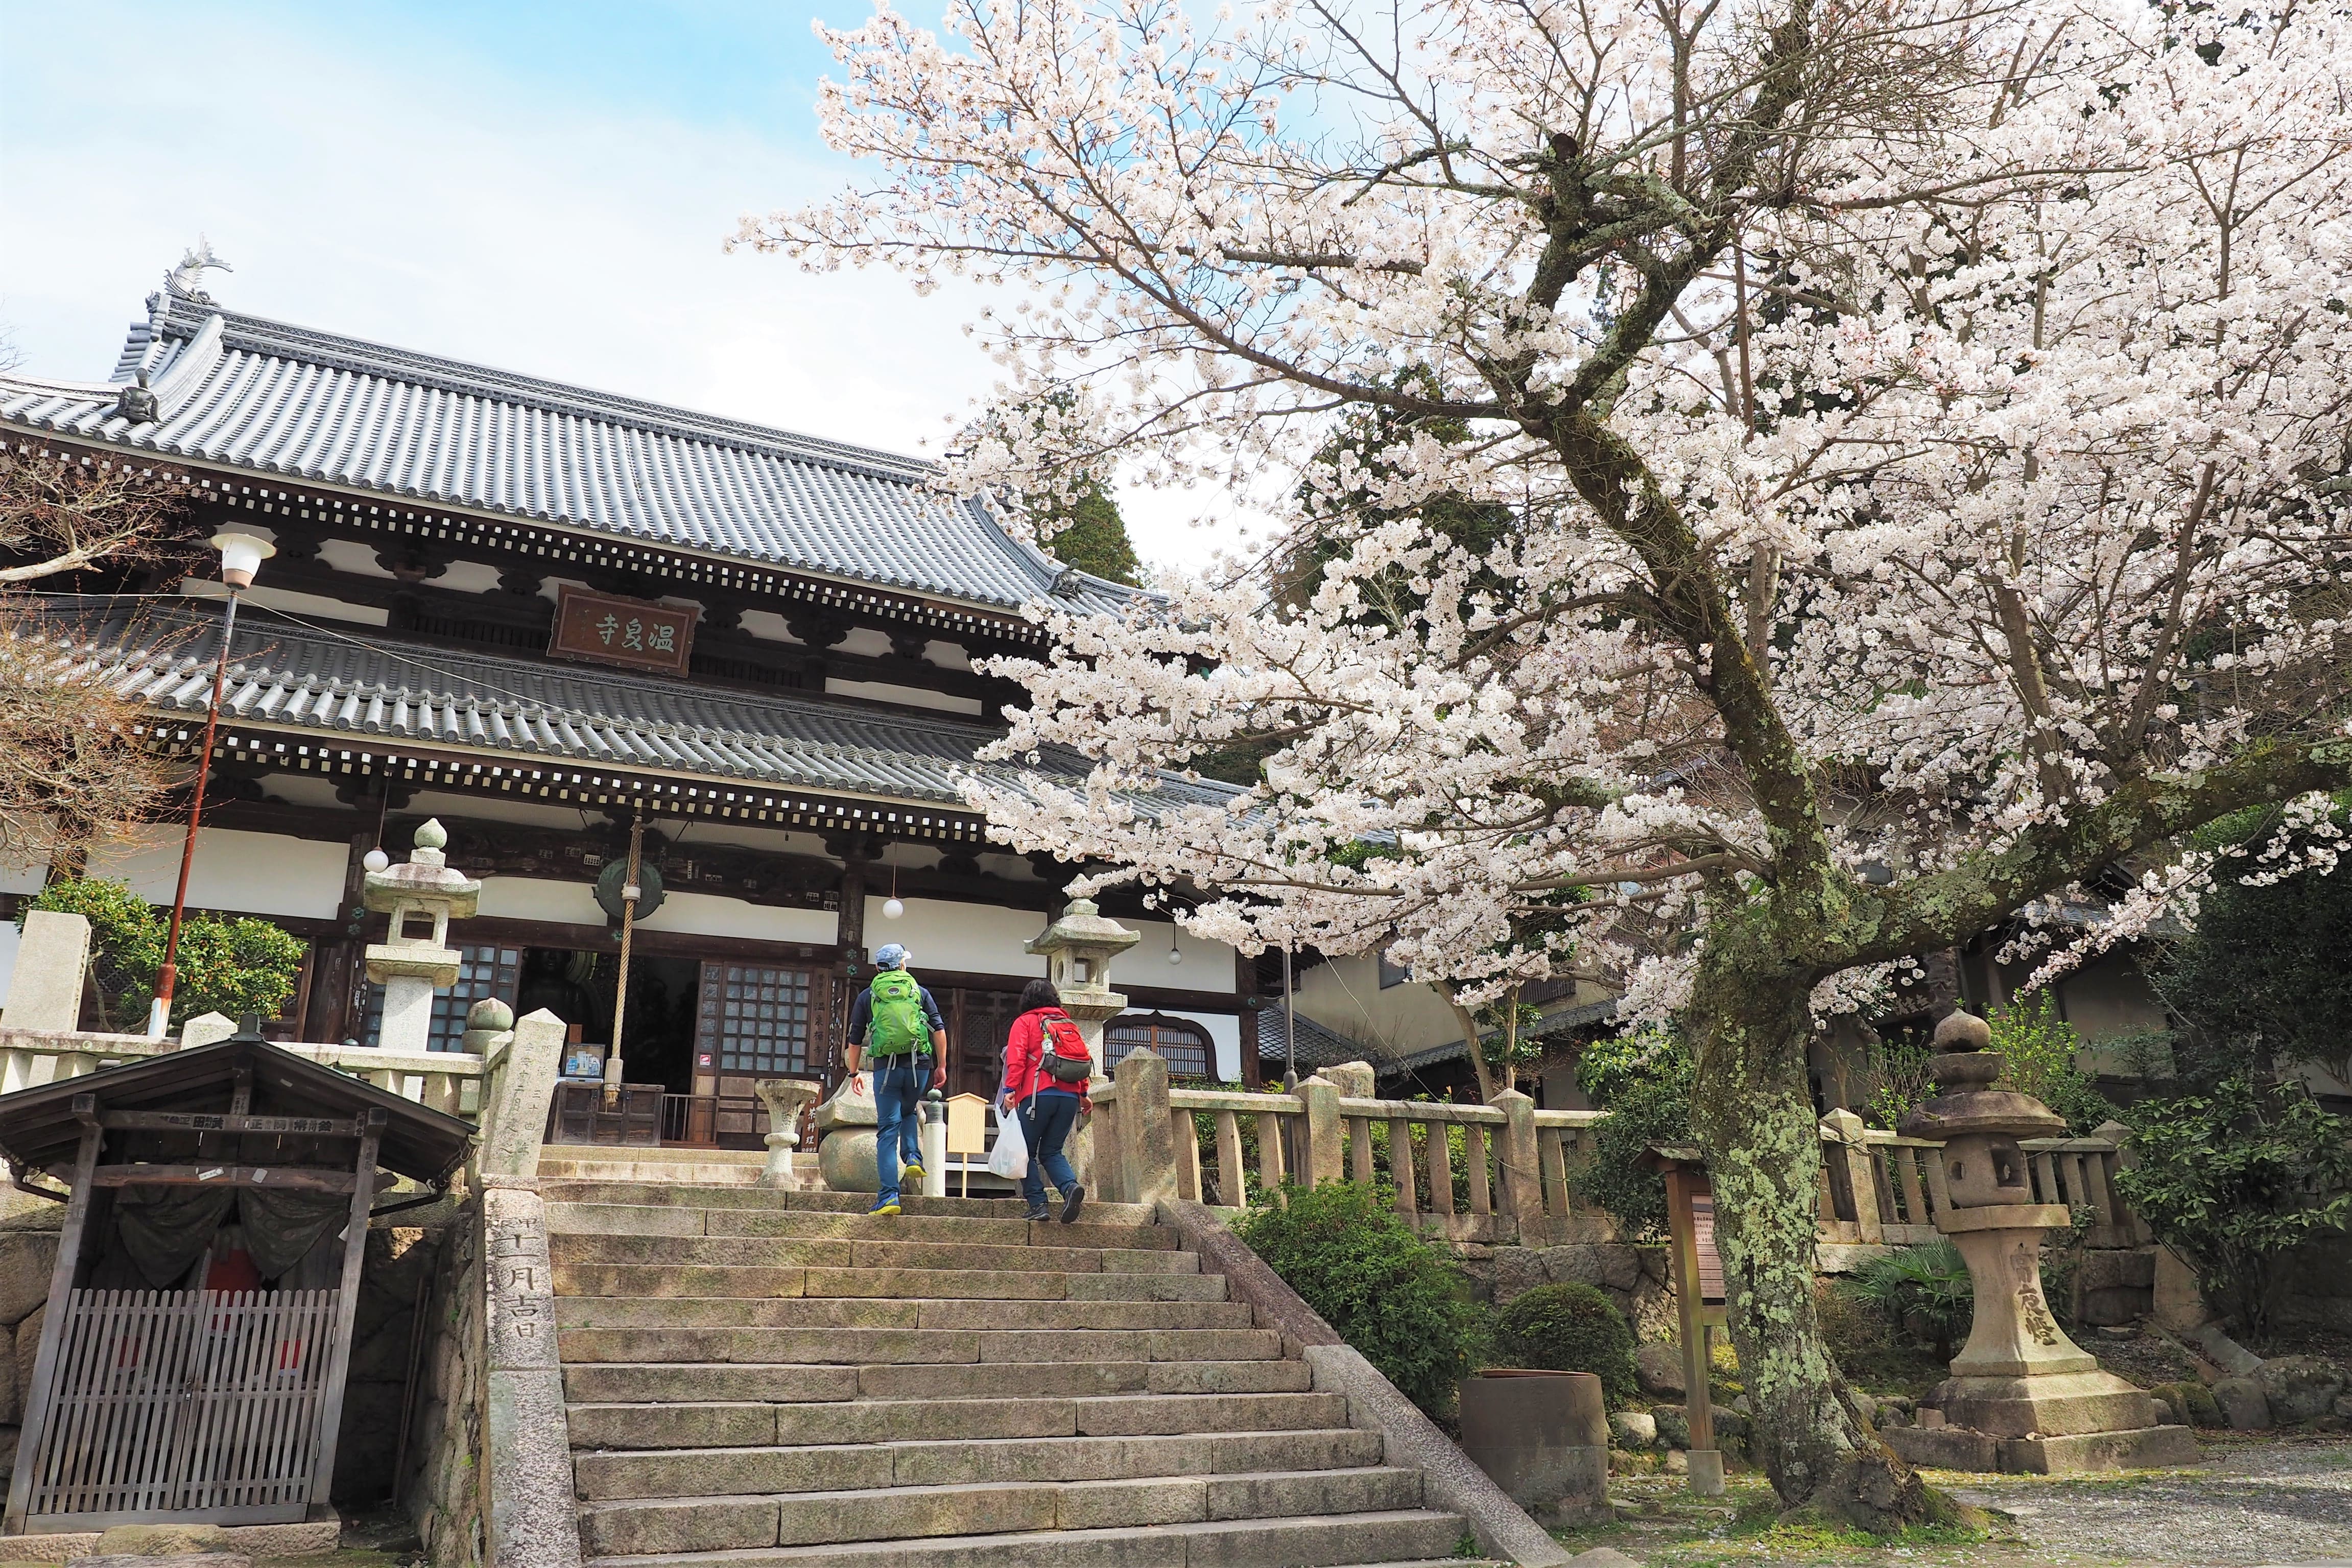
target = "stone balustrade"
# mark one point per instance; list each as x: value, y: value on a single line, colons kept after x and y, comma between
x: 1499, y: 1172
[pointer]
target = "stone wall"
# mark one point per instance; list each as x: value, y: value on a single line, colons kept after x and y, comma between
x: 2317, y: 1288
x: 1634, y: 1277
x: 444, y: 1496
x: 29, y: 1251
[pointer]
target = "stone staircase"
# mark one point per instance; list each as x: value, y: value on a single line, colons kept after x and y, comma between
x: 764, y: 1378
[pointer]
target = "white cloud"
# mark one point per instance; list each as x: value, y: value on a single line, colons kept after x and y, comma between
x: 458, y: 216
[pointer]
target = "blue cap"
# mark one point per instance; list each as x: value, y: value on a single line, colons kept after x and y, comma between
x: 890, y: 955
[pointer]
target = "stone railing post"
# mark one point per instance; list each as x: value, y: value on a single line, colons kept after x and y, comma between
x: 1522, y: 1161
x: 1147, y: 1134
x: 2125, y: 1223
x: 45, y: 988
x: 1323, y: 1151
x: 204, y: 1028
x: 1843, y: 1139
x: 515, y: 1109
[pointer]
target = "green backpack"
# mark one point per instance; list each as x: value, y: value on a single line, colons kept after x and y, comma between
x: 898, y: 1023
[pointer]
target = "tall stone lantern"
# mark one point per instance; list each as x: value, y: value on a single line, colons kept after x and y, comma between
x: 421, y: 895
x: 1078, y: 949
x: 2023, y: 1396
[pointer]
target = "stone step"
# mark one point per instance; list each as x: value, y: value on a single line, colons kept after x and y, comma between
x: 889, y: 1312
x: 860, y: 1347
x: 730, y: 1523
x: 689, y: 1472
x: 1035, y: 1284
x: 763, y: 1252
x: 662, y: 1192
x: 664, y: 1382
x: 1387, y: 1537
x: 748, y: 1424
x: 1004, y: 1230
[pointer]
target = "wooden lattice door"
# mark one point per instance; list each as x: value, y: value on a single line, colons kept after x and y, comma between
x: 753, y: 1021
x: 200, y: 1405
x: 978, y: 1022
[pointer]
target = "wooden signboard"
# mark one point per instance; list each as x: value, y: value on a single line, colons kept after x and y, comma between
x: 635, y: 634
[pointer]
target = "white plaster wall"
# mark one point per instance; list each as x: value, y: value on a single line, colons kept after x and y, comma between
x: 978, y: 939
x: 541, y: 899
x: 709, y: 914
x: 1207, y: 966
x: 24, y: 876
x: 696, y: 914
x: 292, y: 603
x: 1345, y: 996
x: 906, y: 696
x: 243, y: 873
x: 983, y: 939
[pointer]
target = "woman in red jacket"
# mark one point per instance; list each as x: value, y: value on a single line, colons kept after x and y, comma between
x: 1048, y: 1107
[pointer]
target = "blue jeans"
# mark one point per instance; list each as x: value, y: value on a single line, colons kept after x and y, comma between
x: 899, y: 1085
x: 1046, y: 1119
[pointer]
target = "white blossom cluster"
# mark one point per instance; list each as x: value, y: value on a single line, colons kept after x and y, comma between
x: 2000, y: 395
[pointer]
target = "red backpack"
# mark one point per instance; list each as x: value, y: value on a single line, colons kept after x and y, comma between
x: 1062, y: 1051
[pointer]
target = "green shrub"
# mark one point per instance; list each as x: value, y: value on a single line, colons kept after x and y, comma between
x: 1923, y: 1291
x: 1644, y: 1084
x: 1397, y: 1298
x: 231, y: 966
x: 2233, y: 1179
x: 2038, y: 1049
x: 1569, y: 1328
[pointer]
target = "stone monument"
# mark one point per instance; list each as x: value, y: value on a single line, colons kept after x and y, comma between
x: 845, y: 1129
x: 421, y: 895
x: 2023, y: 1396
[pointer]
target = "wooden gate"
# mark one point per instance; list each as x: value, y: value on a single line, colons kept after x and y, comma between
x: 195, y: 1404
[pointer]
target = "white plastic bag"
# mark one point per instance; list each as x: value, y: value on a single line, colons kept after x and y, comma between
x: 1010, y: 1157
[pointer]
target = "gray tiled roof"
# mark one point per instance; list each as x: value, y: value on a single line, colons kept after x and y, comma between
x: 271, y: 398
x: 289, y: 677
x: 1317, y: 1047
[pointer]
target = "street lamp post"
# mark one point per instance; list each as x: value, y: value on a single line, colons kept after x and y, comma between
x: 241, y: 556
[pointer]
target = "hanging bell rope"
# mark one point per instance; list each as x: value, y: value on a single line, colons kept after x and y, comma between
x: 630, y: 892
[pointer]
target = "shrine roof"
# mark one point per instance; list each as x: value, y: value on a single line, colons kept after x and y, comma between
x: 38, y: 1127
x: 301, y: 679
x: 271, y: 398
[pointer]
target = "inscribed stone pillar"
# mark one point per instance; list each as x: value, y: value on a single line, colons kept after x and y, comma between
x: 45, y: 992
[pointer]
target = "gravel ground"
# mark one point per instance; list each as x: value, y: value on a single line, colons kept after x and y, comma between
x: 2256, y: 1503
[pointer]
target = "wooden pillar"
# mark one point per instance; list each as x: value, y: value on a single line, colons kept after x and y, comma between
x: 330, y: 1399
x: 335, y: 1009
x: 1246, y: 984
x: 53, y: 1316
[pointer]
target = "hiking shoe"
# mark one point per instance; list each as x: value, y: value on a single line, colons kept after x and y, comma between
x: 912, y: 1170
x: 888, y: 1206
x: 1039, y: 1213
x: 1078, y: 1195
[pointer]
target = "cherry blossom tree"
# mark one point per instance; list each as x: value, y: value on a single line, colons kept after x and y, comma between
x: 1924, y: 426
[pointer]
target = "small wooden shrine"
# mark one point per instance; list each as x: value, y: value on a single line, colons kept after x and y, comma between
x: 198, y: 1327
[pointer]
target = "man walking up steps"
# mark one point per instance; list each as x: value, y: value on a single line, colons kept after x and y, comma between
x: 896, y: 1029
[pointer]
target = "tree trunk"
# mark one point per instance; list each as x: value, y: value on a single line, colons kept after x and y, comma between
x: 1753, y: 1112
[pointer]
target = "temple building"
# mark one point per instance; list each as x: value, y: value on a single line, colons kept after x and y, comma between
x: 541, y: 614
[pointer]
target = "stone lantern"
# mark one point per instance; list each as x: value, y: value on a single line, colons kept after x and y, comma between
x: 2023, y: 1396
x: 421, y: 895
x: 1078, y: 949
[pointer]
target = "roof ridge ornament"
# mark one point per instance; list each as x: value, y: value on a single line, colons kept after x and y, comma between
x: 185, y: 280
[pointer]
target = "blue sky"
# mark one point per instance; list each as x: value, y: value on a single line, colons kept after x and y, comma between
x: 539, y: 187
